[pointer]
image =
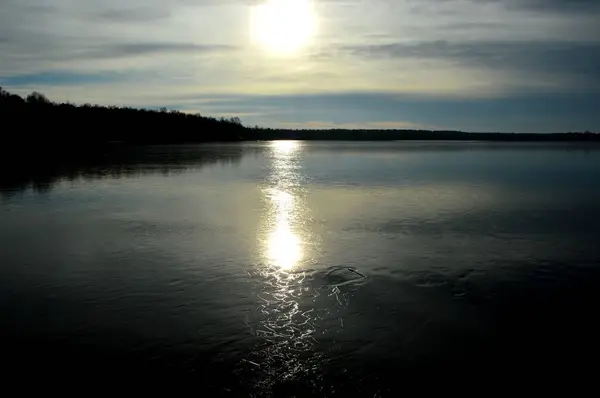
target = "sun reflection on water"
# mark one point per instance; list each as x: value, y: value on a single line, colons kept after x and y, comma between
x: 284, y: 246
x: 296, y: 299
x: 285, y: 327
x: 285, y: 147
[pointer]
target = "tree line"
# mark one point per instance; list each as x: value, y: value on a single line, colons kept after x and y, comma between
x: 37, y: 120
x: 399, y: 135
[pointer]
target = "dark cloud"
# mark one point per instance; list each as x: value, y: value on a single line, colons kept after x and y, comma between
x: 29, y: 8
x: 59, y: 78
x: 134, y: 49
x: 77, y: 50
x: 581, y: 59
x: 40, y: 9
x: 533, y: 5
x: 136, y: 14
x: 555, y: 5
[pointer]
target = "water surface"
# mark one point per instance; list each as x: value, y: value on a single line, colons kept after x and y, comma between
x: 289, y: 268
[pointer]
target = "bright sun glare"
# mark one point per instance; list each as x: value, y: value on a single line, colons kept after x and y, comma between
x: 283, y: 26
x: 285, y: 147
x: 284, y: 246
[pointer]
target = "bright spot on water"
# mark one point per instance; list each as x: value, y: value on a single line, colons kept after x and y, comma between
x: 285, y: 147
x: 284, y: 247
x: 285, y: 250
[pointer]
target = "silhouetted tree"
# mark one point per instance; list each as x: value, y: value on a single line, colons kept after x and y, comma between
x: 37, y: 98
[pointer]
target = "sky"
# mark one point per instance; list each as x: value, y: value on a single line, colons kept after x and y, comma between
x: 475, y: 65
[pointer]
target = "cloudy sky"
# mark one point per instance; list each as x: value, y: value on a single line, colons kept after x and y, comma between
x: 478, y: 65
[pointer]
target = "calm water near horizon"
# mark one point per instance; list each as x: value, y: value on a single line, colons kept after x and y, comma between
x: 304, y: 268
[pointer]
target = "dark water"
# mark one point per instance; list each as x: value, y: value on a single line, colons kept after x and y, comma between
x: 297, y: 269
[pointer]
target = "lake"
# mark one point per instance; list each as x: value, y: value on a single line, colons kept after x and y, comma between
x: 304, y: 268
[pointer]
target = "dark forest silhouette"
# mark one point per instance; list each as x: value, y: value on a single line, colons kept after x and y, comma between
x: 55, y: 123
x: 64, y: 126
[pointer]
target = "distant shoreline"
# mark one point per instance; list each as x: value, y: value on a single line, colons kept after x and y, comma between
x: 420, y: 135
x: 40, y: 121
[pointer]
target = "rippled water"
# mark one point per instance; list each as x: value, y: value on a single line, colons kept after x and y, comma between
x: 292, y: 268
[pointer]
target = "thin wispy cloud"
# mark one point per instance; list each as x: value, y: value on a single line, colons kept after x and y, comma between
x: 435, y: 54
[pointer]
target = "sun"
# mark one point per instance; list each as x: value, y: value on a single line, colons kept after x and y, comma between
x: 283, y: 26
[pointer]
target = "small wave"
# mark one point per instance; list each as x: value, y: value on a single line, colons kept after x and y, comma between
x: 334, y: 276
